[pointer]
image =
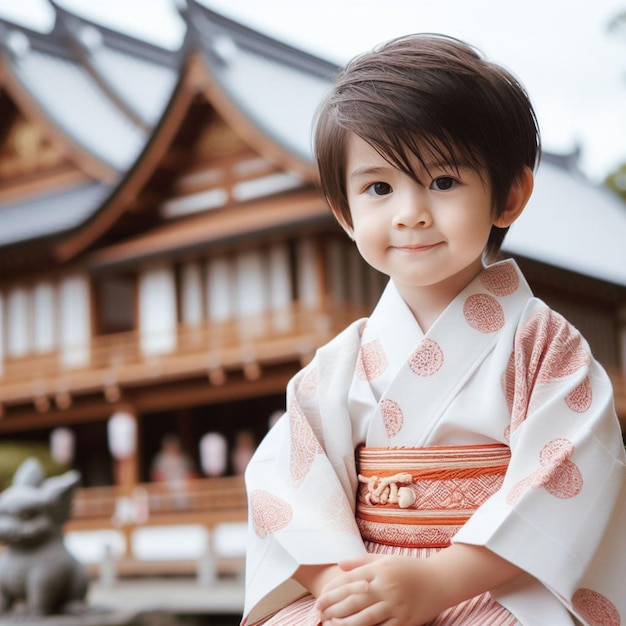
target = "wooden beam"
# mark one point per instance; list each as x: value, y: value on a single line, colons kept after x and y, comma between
x: 152, y: 396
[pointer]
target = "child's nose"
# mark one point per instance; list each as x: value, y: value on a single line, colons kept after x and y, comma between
x: 413, y: 211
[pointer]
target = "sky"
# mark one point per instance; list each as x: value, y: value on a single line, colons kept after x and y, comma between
x: 561, y: 50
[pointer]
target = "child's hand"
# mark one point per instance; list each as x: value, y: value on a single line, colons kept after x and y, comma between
x: 380, y: 590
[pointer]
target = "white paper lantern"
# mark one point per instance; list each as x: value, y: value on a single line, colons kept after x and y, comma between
x: 213, y: 454
x: 122, y: 435
x: 62, y: 441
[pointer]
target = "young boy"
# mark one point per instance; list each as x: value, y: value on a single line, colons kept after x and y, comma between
x: 464, y: 421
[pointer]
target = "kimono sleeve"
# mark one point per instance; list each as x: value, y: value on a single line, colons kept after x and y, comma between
x: 301, y: 485
x: 561, y: 512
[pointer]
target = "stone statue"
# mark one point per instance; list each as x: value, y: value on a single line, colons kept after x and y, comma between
x: 37, y: 573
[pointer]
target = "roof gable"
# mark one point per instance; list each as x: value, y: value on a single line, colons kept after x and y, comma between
x: 276, y: 87
x: 50, y: 84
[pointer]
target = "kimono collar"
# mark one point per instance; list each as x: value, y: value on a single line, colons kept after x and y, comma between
x: 399, y: 363
x: 394, y: 325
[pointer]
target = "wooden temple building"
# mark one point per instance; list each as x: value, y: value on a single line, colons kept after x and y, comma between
x: 164, y: 253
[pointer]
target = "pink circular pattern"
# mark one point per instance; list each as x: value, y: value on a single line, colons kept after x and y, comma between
x: 483, y: 313
x: 393, y: 419
x: 550, y: 347
x: 566, y: 353
x: 595, y: 608
x: 427, y: 358
x: 518, y: 489
x: 546, y: 348
x: 556, y: 451
x: 372, y: 361
x: 579, y: 399
x: 269, y: 513
x: 304, y: 445
x: 558, y: 475
x: 565, y: 481
x: 500, y: 280
x: 337, y: 512
x: 307, y: 388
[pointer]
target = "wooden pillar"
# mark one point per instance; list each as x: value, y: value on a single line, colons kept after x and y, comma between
x: 127, y: 474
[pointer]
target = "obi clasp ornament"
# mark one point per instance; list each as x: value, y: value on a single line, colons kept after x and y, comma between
x: 389, y: 490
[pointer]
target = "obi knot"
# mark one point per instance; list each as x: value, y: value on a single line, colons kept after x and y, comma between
x: 389, y: 489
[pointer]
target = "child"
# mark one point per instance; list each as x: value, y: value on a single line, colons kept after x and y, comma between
x: 464, y: 421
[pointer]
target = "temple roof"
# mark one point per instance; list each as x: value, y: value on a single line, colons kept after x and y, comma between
x: 113, y: 98
x: 45, y: 73
x: 50, y: 214
x: 276, y: 86
x: 140, y: 75
x: 572, y: 224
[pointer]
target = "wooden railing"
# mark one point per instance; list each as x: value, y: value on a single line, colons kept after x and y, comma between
x: 214, y: 498
x: 208, y: 503
x: 130, y: 357
x: 120, y: 358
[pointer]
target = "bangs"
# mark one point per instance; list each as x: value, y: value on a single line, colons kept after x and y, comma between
x: 404, y: 151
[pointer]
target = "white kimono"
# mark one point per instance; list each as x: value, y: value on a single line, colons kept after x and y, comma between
x: 498, y: 366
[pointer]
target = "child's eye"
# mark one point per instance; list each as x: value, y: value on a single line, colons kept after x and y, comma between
x: 443, y: 183
x: 379, y: 189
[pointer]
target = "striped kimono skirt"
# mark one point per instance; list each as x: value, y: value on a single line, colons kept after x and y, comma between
x: 411, y: 501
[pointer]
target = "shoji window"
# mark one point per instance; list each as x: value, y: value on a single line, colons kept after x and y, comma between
x: 309, y: 286
x: 74, y: 320
x: 191, y: 294
x: 220, y: 296
x: 251, y: 290
x: 18, y: 328
x: 280, y: 286
x: 44, y: 317
x: 157, y: 310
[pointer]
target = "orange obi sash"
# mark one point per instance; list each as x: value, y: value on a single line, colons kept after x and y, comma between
x: 420, y: 497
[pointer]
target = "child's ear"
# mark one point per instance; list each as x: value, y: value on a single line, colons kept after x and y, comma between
x: 518, y: 197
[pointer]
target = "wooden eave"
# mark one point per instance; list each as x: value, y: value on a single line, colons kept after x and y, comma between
x: 190, y: 390
x: 82, y: 159
x: 137, y: 177
x: 45, y: 181
x: 195, y: 80
x: 186, y: 235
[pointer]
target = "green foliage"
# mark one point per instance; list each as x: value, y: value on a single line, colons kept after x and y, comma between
x: 12, y: 453
x: 616, y: 181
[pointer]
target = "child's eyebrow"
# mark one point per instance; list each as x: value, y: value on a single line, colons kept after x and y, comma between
x: 368, y: 170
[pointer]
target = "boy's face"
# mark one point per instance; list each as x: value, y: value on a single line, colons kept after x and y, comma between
x: 428, y: 236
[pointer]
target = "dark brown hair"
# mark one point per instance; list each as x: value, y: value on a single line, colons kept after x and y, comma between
x: 424, y: 96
